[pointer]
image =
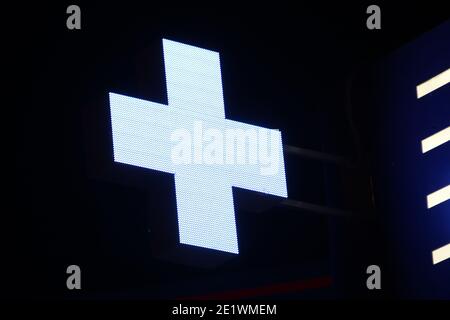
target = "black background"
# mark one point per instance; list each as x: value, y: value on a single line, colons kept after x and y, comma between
x: 284, y: 66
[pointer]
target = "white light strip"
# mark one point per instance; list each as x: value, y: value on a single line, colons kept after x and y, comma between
x: 436, y: 140
x: 441, y: 254
x: 437, y: 197
x: 432, y: 84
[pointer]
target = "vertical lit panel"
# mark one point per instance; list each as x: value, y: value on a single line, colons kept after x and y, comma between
x: 193, y: 78
x: 431, y: 142
x: 206, y: 211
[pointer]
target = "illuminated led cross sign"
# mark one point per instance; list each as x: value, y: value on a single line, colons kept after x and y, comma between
x: 191, y: 139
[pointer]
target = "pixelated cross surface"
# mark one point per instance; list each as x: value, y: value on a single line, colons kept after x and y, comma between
x: 141, y: 137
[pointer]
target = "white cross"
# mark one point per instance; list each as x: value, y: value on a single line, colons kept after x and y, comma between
x: 141, y: 137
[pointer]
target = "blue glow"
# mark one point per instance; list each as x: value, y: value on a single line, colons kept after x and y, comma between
x: 143, y: 136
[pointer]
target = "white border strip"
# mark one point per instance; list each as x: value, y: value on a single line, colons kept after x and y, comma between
x: 432, y: 84
x: 436, y: 140
x: 437, y: 197
x: 441, y: 254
